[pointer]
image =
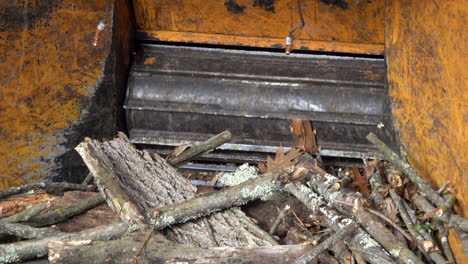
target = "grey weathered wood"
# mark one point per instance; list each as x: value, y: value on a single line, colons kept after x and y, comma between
x: 21, y: 251
x: 154, y: 183
x: 201, y: 148
x: 160, y: 250
x: 49, y: 186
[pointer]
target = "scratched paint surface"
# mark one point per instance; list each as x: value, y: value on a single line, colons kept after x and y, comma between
x: 427, y: 70
x: 233, y: 22
x: 48, y: 69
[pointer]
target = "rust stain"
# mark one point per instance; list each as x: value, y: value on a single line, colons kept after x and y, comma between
x: 360, y: 22
x: 427, y: 71
x: 46, y: 74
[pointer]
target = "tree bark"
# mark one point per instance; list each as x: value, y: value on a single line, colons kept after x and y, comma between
x: 154, y: 183
x: 160, y: 250
x: 21, y: 251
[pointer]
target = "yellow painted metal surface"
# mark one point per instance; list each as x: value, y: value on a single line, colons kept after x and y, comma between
x: 48, y: 67
x: 352, y: 26
x: 427, y: 51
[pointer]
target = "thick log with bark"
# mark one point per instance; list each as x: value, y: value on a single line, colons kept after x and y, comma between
x: 160, y: 250
x: 21, y: 251
x: 152, y: 182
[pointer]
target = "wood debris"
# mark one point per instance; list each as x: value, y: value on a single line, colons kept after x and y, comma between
x: 162, y: 216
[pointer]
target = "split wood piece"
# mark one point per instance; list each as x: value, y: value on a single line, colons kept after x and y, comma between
x: 24, y: 231
x: 304, y: 136
x: 385, y: 237
x: 26, y: 214
x: 423, y: 187
x: 102, y: 169
x: 49, y: 186
x: 61, y: 214
x: 201, y: 148
x: 25, y: 250
x: 160, y: 250
x: 253, y: 189
x: 456, y: 221
x: 312, y: 254
x: 152, y: 182
x: 360, y: 241
x: 435, y: 256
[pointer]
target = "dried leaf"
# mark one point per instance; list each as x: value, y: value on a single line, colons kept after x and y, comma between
x: 177, y: 151
x: 360, y: 182
x: 282, y: 160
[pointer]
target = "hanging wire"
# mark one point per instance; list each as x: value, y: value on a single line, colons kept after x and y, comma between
x: 289, y: 38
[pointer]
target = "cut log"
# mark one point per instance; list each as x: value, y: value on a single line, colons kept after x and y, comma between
x: 152, y: 182
x: 160, y: 250
x: 21, y: 251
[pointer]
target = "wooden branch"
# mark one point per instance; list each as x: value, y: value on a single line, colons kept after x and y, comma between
x: 435, y: 256
x: 62, y: 214
x: 453, y: 220
x: 360, y: 241
x: 385, y: 237
x: 256, y: 188
x: 376, y: 183
x: 201, y: 148
x: 21, y: 251
x: 444, y: 242
x: 159, y: 250
x: 27, y: 214
x: 49, y: 186
x: 24, y: 231
x: 279, y: 218
x: 424, y: 187
x: 152, y: 182
x: 322, y: 182
x: 312, y: 254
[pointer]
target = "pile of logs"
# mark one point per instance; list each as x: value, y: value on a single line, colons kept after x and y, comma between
x: 164, y: 220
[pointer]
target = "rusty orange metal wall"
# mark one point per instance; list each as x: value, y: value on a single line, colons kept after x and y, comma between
x: 343, y: 26
x: 48, y: 71
x: 426, y: 48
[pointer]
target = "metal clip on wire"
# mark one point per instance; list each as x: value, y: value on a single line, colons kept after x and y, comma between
x: 289, y: 38
x: 101, y: 26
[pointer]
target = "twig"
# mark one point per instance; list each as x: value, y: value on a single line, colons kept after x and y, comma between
x: 348, y: 230
x: 256, y: 188
x: 384, y: 236
x: 406, y: 168
x: 88, y: 179
x: 278, y: 219
x: 21, y: 251
x: 435, y: 256
x: 360, y: 241
x: 150, y: 234
x: 443, y: 188
x: 62, y: 214
x: 201, y: 148
x: 376, y: 183
x: 27, y: 214
x: 49, y: 186
x: 444, y: 241
x: 389, y: 221
x: 327, y: 258
x: 453, y: 220
x: 254, y: 228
